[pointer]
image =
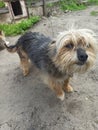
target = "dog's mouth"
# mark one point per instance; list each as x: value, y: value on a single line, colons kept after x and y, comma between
x: 80, y: 63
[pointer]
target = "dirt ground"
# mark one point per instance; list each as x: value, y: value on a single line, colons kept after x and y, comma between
x: 26, y: 103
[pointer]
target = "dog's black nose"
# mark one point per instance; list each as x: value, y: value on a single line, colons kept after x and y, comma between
x: 82, y: 56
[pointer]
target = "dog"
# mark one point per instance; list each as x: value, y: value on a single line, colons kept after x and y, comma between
x: 74, y: 51
x: 2, y: 40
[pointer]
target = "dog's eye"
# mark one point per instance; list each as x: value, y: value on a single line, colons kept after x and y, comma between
x: 53, y: 42
x: 88, y: 46
x: 69, y: 46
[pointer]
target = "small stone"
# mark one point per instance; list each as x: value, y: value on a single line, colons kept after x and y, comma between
x: 86, y: 98
x: 5, y: 127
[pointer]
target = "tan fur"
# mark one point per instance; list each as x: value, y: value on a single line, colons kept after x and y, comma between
x: 56, y: 87
x: 24, y: 61
x: 66, y: 86
x: 11, y: 50
x: 66, y: 59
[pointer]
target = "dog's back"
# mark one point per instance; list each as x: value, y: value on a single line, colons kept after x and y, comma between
x: 29, y: 40
x: 34, y: 44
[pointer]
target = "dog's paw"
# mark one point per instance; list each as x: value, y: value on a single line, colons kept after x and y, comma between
x: 68, y: 89
x: 61, y: 97
x: 25, y: 73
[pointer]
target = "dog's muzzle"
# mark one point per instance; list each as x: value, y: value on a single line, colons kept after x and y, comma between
x: 82, y: 56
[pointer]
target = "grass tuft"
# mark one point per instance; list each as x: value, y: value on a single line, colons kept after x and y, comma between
x: 2, y: 4
x: 71, y: 5
x: 18, y: 28
x: 93, y: 2
x: 94, y: 13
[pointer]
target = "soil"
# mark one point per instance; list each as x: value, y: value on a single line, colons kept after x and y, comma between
x: 26, y: 103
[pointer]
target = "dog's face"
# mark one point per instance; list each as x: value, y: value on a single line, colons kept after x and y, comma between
x: 76, y: 51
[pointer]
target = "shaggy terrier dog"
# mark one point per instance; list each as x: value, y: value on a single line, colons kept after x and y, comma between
x: 73, y: 51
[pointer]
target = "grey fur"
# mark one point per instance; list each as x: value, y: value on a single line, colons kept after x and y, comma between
x: 36, y: 46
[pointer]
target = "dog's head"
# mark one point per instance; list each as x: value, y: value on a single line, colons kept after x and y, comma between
x: 75, y: 50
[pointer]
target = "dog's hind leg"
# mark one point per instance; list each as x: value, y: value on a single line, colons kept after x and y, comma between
x: 24, y: 61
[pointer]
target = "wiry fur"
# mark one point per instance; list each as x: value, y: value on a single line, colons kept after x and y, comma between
x: 58, y: 60
x: 82, y: 38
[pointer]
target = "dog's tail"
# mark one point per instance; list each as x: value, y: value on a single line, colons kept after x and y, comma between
x: 12, y: 48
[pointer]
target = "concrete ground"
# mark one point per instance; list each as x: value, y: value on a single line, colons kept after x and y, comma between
x: 26, y: 103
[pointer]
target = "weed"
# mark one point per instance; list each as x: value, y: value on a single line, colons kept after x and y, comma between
x: 94, y: 13
x: 94, y: 2
x: 2, y: 4
x: 71, y: 5
x: 50, y: 5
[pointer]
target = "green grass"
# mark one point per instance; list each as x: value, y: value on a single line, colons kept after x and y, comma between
x: 94, y: 13
x: 50, y: 5
x: 2, y: 4
x: 71, y: 5
x: 19, y: 28
x: 94, y: 2
x: 67, y: 5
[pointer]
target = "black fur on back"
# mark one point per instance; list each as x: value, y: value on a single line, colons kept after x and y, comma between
x: 36, y: 46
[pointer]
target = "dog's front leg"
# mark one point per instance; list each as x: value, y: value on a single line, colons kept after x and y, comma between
x: 66, y: 86
x: 57, y: 88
